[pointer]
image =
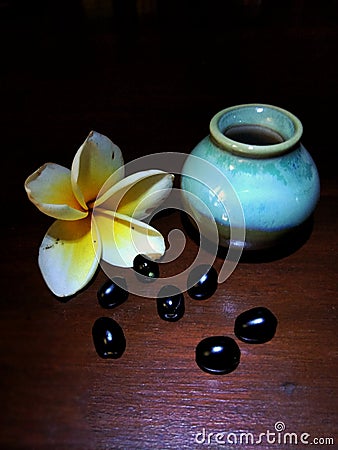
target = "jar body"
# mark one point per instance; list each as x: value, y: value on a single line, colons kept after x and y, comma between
x: 278, y: 189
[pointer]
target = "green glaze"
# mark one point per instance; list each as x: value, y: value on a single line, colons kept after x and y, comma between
x: 277, y: 185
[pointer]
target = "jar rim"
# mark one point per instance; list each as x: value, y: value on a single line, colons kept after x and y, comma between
x: 271, y: 116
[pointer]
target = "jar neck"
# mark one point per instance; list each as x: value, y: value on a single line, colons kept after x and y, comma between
x: 256, y: 130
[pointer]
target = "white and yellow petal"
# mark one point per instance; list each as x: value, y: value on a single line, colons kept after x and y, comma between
x: 139, y: 194
x: 69, y: 256
x: 123, y: 238
x: 50, y: 189
x: 93, y: 164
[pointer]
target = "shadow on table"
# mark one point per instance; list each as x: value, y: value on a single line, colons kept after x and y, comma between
x: 289, y: 245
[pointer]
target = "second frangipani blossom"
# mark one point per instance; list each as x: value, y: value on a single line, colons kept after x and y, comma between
x: 72, y: 247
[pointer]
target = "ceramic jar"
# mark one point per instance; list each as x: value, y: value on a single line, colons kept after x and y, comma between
x: 257, y: 149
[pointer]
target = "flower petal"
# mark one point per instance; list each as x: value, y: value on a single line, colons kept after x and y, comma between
x: 67, y: 256
x: 123, y: 238
x: 138, y: 194
x: 93, y: 164
x: 50, y: 189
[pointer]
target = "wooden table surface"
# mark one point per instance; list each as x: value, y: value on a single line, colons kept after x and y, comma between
x: 55, y: 391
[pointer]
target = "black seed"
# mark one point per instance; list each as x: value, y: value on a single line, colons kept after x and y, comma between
x: 145, y: 267
x: 112, y: 293
x: 256, y: 325
x: 108, y: 337
x: 202, y: 282
x: 170, y: 303
x: 218, y: 355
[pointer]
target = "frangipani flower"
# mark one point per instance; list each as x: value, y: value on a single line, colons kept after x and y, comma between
x: 72, y: 247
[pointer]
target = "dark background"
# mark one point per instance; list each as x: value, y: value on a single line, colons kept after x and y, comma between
x: 126, y: 68
x: 150, y: 75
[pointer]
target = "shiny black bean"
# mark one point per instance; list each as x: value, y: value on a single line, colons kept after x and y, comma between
x: 202, y: 282
x: 170, y: 303
x: 108, y: 338
x: 256, y: 325
x: 218, y: 355
x: 112, y: 293
x: 148, y: 269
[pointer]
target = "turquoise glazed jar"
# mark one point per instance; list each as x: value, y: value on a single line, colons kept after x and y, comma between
x: 258, y: 150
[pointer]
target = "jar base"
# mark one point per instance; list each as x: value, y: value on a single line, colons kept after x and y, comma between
x: 259, y: 246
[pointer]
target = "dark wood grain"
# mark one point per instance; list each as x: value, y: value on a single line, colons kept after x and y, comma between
x: 55, y: 392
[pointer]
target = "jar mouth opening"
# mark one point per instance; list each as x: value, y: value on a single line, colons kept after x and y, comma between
x: 256, y: 130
